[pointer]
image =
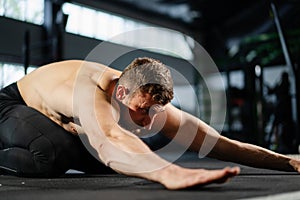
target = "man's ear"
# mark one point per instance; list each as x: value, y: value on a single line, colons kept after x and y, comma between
x: 121, y: 93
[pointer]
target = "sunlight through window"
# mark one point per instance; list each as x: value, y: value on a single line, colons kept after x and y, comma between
x: 103, y: 26
x: 10, y: 73
x: 31, y: 11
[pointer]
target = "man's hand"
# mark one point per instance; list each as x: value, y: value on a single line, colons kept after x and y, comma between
x: 295, y: 164
x: 174, y: 177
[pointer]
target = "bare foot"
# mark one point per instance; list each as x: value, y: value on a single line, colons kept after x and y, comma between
x: 181, y: 178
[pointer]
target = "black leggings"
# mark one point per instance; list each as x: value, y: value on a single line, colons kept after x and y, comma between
x: 33, y: 145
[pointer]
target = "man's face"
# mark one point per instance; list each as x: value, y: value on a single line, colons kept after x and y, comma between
x: 141, y: 111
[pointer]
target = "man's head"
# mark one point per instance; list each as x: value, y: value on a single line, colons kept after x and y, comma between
x: 145, y: 83
x: 150, y: 76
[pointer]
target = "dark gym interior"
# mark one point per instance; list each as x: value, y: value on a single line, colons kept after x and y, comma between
x: 254, y: 44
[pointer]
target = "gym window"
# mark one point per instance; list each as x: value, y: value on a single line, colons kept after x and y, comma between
x: 31, y: 11
x: 10, y: 72
x: 103, y: 26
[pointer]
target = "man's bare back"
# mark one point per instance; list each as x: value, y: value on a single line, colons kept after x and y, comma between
x: 49, y: 89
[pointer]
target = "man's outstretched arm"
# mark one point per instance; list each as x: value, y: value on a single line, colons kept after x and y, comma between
x: 208, y: 141
x: 252, y: 155
x: 127, y: 154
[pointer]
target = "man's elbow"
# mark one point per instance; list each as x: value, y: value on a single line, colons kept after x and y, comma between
x: 113, y: 132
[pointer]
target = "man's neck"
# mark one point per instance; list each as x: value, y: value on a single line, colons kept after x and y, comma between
x: 111, y: 91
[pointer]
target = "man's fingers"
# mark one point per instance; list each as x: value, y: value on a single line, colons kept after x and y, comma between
x: 227, y: 173
x: 234, y: 170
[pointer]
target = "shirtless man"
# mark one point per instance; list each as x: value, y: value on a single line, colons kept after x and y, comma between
x: 43, y: 115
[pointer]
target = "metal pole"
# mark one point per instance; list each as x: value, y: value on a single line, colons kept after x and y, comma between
x: 26, y: 51
x: 285, y: 50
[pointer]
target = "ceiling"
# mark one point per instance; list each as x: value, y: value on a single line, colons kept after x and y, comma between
x: 229, y: 30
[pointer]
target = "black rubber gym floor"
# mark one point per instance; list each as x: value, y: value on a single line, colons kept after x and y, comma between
x: 251, y: 183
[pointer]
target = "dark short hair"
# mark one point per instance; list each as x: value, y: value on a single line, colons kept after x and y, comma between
x: 151, y: 76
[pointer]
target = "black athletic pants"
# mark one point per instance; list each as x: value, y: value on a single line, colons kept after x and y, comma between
x: 33, y: 145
